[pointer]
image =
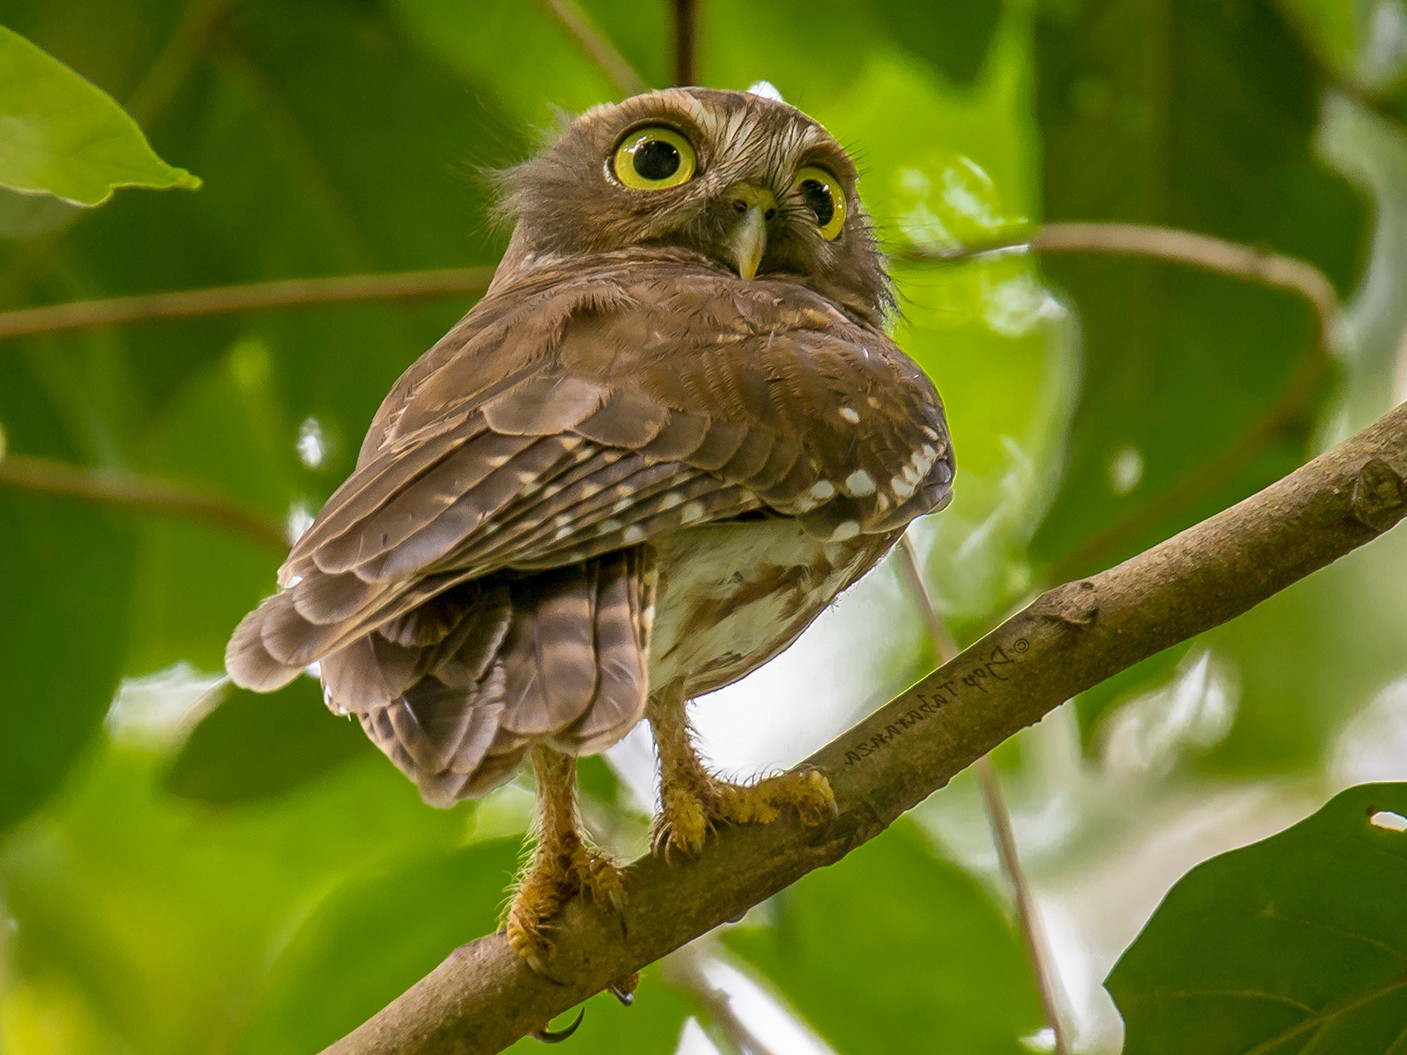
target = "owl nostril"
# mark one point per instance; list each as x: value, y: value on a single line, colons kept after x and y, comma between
x: 741, y: 205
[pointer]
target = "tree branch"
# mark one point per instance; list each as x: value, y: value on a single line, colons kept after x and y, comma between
x: 945, y: 648
x: 1164, y: 243
x: 686, y: 42
x: 595, y: 45
x: 483, y: 997
x: 141, y: 492
x: 224, y: 300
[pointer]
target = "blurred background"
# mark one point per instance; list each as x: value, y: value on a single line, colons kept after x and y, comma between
x: 255, y: 878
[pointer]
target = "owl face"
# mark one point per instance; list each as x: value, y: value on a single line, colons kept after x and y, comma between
x: 748, y: 182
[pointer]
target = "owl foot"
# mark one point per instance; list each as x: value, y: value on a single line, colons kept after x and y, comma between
x: 692, y: 807
x: 560, y: 872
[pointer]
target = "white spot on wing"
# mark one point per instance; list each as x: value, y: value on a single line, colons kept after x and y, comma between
x: 846, y: 529
x: 822, y: 490
x: 850, y: 414
x: 859, y: 483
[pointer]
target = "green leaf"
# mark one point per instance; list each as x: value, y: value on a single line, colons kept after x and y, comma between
x: 67, y: 584
x: 955, y: 36
x: 254, y: 746
x: 896, y: 947
x: 63, y: 136
x: 1294, y: 943
x: 379, y: 935
x: 1196, y: 115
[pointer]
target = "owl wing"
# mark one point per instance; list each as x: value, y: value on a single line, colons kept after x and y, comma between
x: 566, y: 424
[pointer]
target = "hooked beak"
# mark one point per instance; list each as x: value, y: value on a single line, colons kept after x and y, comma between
x: 746, y: 242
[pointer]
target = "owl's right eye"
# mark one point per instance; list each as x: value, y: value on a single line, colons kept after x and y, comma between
x: 653, y: 158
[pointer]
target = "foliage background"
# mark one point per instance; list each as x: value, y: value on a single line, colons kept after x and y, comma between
x: 257, y: 879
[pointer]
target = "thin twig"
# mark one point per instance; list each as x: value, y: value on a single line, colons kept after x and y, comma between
x: 223, y: 300
x: 998, y: 816
x: 684, y: 968
x: 1211, y: 254
x: 1164, y: 243
x: 595, y: 45
x: 686, y: 41
x: 138, y: 492
x: 1294, y: 404
x: 483, y: 996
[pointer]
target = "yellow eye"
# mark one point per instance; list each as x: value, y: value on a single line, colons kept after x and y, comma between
x: 653, y: 158
x: 824, y: 197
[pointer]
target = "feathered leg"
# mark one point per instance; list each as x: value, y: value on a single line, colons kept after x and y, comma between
x: 693, y: 800
x: 563, y: 864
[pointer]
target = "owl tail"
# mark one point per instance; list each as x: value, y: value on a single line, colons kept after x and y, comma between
x: 456, y: 690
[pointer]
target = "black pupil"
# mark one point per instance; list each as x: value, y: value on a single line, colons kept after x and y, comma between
x: 818, y: 197
x: 656, y: 160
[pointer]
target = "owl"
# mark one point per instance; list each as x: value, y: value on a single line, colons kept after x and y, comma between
x: 669, y: 435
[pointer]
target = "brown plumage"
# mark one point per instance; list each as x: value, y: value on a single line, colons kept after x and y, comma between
x: 670, y: 433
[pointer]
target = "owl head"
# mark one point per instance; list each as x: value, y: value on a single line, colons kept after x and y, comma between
x: 748, y: 182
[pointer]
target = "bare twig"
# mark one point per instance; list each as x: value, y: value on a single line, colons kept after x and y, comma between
x: 223, y: 300
x: 1211, y: 254
x: 595, y: 45
x: 138, y: 492
x: 684, y: 968
x: 483, y: 997
x: 1165, y: 243
x: 686, y: 41
x: 998, y: 816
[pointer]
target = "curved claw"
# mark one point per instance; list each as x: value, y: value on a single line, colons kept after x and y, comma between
x: 624, y: 990
x: 549, y: 1036
x: 539, y: 967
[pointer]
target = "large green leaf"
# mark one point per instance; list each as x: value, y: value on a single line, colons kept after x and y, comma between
x: 67, y: 582
x: 63, y: 136
x: 157, y: 920
x: 255, y: 746
x: 1197, y: 115
x: 897, y: 949
x: 376, y: 941
x: 1295, y: 944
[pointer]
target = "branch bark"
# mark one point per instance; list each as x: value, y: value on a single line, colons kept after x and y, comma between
x: 482, y: 997
x: 253, y: 296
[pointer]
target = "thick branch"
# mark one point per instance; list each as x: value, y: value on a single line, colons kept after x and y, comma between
x: 483, y: 997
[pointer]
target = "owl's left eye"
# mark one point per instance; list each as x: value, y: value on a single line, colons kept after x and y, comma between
x: 654, y: 158
x: 823, y: 195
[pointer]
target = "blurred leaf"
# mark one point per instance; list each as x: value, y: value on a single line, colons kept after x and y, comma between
x: 1294, y: 943
x: 164, y: 925
x: 954, y: 36
x: 67, y: 583
x: 255, y: 745
x: 1200, y: 117
x: 65, y: 137
x: 923, y: 957
x: 375, y: 942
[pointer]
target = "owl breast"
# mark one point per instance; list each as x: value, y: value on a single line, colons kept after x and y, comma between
x: 733, y: 595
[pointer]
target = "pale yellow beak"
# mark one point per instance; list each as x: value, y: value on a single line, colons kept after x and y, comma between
x: 747, y: 241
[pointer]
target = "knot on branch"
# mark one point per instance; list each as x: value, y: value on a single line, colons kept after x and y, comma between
x: 1379, y: 496
x: 1076, y: 604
